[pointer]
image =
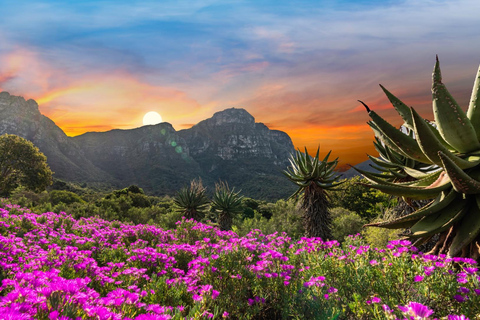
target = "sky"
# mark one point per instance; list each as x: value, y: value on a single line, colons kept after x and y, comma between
x: 296, y: 66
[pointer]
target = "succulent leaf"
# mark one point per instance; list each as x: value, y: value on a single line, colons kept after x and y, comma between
x: 440, y: 221
x: 473, y: 112
x: 403, y: 142
x: 461, y: 181
x: 451, y: 173
x: 402, y: 109
x: 430, y: 145
x: 452, y: 122
x: 468, y: 229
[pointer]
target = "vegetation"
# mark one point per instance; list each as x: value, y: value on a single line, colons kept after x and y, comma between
x: 450, y: 149
x: 123, y: 254
x: 226, y: 203
x: 22, y: 164
x: 57, y: 267
x: 313, y: 178
x: 192, y: 202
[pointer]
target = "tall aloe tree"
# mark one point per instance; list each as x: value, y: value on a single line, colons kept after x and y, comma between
x: 314, y: 177
x: 226, y: 203
x: 452, y: 148
x: 192, y: 201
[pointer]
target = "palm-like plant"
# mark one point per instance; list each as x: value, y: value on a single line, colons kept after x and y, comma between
x: 226, y: 203
x: 192, y: 201
x: 313, y: 178
x: 452, y: 149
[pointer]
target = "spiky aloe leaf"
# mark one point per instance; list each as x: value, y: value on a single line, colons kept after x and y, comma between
x: 468, y: 229
x: 452, y: 122
x: 440, y: 221
x: 452, y: 146
x: 402, y: 109
x: 417, y: 193
x: 430, y: 145
x: 473, y: 112
x: 461, y: 181
x: 405, y: 143
x: 440, y: 202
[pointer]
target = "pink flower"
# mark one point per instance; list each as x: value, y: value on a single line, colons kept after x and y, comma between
x: 418, y: 278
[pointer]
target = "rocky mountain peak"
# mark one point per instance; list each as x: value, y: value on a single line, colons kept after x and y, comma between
x: 17, y: 104
x: 229, y: 146
x: 232, y: 115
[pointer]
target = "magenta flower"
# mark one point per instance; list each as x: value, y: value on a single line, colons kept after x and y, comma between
x: 455, y: 317
x: 418, y: 278
x: 460, y: 298
x: 416, y: 309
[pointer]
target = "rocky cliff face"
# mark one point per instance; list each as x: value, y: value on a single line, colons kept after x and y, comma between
x: 229, y: 146
x: 232, y: 134
x: 153, y: 157
x: 66, y: 159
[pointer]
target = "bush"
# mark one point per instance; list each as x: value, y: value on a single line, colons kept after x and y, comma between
x: 63, y: 196
x: 379, y: 237
x: 345, y: 223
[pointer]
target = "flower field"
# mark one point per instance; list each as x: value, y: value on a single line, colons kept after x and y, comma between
x: 56, y: 267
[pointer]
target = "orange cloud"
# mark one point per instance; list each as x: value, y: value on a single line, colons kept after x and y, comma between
x: 93, y: 100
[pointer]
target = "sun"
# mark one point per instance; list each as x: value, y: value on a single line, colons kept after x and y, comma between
x: 151, y: 117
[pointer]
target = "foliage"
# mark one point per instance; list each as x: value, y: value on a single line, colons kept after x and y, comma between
x: 368, y: 203
x: 286, y: 217
x: 226, y: 203
x: 192, y: 202
x: 66, y: 197
x: 313, y: 178
x: 451, y: 149
x: 22, y: 164
x: 345, y: 223
x: 95, y: 269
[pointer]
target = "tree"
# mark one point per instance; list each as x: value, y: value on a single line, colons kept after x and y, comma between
x: 22, y: 164
x: 191, y: 202
x: 313, y: 178
x: 226, y: 203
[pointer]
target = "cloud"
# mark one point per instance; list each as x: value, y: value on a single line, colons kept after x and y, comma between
x: 94, y: 100
x: 298, y: 67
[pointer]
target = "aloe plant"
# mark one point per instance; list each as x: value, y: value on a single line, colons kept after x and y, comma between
x: 192, y: 201
x: 227, y: 204
x: 313, y: 178
x: 450, y: 151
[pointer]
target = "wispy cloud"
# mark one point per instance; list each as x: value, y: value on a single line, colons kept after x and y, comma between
x: 300, y: 67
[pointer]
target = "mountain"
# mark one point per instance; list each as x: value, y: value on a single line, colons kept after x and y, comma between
x: 65, y: 157
x: 230, y: 146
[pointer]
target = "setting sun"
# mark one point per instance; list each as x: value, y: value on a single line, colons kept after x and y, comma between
x: 151, y: 117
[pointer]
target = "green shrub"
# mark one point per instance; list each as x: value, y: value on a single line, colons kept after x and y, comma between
x: 345, y: 223
x: 63, y: 196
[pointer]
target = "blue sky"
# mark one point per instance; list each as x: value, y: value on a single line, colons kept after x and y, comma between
x: 297, y: 66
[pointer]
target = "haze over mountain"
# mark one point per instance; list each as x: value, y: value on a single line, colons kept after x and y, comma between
x: 229, y: 146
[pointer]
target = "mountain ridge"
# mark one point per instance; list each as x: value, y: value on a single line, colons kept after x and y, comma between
x: 229, y: 146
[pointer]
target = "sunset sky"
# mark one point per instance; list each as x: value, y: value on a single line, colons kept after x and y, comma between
x: 297, y: 66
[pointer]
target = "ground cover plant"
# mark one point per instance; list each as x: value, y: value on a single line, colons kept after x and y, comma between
x: 57, y: 267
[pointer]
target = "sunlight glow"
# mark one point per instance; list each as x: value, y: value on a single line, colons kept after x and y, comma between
x: 151, y: 117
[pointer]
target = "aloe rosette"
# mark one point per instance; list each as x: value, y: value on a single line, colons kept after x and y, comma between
x: 450, y: 151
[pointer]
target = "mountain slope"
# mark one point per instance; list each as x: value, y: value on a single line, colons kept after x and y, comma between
x: 229, y: 146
